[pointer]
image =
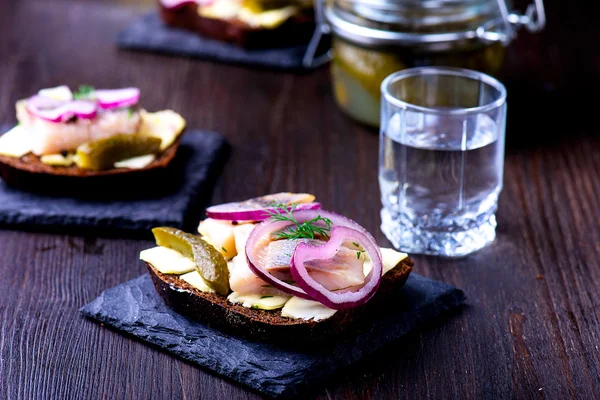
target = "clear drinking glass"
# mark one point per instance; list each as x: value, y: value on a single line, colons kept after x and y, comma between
x: 441, y: 159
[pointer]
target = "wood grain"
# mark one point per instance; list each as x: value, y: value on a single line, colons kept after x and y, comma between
x: 532, y: 328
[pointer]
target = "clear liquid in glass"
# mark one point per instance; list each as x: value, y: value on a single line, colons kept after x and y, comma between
x: 440, y: 179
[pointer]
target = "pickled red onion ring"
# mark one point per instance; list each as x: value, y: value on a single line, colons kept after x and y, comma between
x: 261, y: 208
x: 235, y: 212
x: 270, y: 226
x: 54, y: 110
x: 117, y: 98
x: 333, y: 299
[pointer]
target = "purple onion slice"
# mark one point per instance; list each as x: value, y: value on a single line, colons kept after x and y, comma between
x: 117, y: 98
x: 337, y: 300
x: 54, y: 110
x: 260, y: 208
x: 261, y: 236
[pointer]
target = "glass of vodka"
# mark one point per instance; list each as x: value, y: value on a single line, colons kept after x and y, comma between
x: 441, y: 159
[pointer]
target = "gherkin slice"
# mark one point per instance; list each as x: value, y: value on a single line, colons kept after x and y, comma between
x: 210, y: 263
x: 175, y: 239
x: 104, y: 153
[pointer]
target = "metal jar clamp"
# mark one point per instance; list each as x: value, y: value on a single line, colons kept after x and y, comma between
x: 502, y: 29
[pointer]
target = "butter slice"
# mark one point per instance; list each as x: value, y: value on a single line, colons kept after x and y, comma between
x: 221, y: 9
x: 167, y: 261
x: 267, y: 19
x: 232, y: 9
x: 306, y: 309
x: 136, y: 162
x: 258, y: 301
x: 57, y: 160
x: 15, y: 143
x: 220, y: 235
x: 389, y: 257
x: 196, y: 280
x: 166, y: 125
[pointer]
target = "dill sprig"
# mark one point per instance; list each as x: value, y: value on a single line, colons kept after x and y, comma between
x: 84, y: 92
x: 310, y: 229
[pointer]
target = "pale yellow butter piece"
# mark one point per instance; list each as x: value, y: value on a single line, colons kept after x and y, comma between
x: 258, y: 301
x: 220, y: 9
x: 220, y: 235
x: 136, y: 162
x: 196, y: 280
x: 233, y: 9
x: 166, y: 125
x: 167, y: 261
x: 57, y: 160
x: 15, y: 143
x: 269, y: 19
x: 389, y: 257
x: 306, y: 310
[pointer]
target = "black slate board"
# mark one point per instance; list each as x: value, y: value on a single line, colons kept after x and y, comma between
x: 148, y: 33
x: 198, y: 162
x: 135, y: 308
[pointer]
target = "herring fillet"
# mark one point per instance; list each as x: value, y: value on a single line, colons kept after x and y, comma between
x: 243, y: 281
x: 51, y: 138
x: 342, y: 271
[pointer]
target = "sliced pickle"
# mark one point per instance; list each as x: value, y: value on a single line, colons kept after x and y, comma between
x: 175, y: 239
x: 104, y: 153
x: 209, y: 262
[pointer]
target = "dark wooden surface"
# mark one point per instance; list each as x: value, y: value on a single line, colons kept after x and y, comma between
x: 532, y: 329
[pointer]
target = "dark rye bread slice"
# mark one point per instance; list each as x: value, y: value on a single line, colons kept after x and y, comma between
x: 270, y: 326
x: 296, y: 30
x: 29, y: 173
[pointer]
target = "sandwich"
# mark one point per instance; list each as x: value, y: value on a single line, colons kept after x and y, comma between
x: 246, y: 23
x: 277, y: 268
x: 93, y: 134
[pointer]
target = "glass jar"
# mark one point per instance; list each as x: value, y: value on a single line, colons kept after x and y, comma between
x: 373, y: 38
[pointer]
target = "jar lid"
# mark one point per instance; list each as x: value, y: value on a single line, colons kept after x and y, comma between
x: 423, y: 15
x: 429, y: 24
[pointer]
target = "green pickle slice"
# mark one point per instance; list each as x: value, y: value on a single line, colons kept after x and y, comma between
x: 104, y: 153
x: 209, y: 262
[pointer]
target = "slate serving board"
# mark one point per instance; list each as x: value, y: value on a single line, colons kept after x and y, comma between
x: 149, y: 33
x: 198, y: 162
x: 135, y: 307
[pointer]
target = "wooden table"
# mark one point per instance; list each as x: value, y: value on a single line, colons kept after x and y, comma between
x: 532, y: 327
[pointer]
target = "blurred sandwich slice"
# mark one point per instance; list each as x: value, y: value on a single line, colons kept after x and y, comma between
x: 246, y: 23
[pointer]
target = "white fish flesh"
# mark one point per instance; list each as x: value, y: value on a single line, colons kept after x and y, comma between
x: 51, y: 137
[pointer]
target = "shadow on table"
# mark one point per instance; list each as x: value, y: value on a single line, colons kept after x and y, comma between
x: 384, y: 359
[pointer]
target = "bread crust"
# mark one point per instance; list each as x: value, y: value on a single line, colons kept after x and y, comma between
x: 29, y: 173
x: 270, y: 326
x: 296, y: 30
